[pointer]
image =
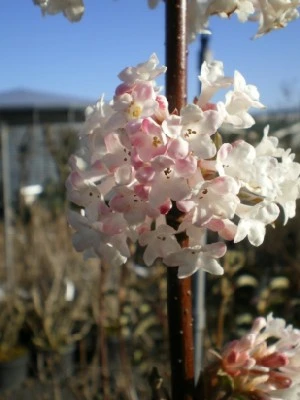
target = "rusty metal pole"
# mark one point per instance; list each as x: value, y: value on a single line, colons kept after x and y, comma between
x: 179, y: 291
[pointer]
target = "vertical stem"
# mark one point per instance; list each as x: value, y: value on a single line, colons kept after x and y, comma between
x: 176, y: 53
x: 104, y: 363
x: 179, y: 291
x: 8, y: 213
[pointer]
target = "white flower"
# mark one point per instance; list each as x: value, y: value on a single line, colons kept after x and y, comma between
x: 259, y: 363
x: 253, y: 221
x: 239, y: 101
x: 276, y: 14
x: 146, y: 71
x: 268, y: 146
x: 190, y: 259
x: 270, y: 14
x: 88, y: 237
x: 198, y: 126
x: 72, y: 9
x: 216, y: 198
x: 212, y: 79
x: 197, y: 18
x: 159, y: 242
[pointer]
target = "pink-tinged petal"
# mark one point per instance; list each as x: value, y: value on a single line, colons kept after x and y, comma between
x: 143, y: 228
x: 135, y: 159
x: 133, y: 127
x: 178, y: 148
x: 162, y: 113
x: 186, y: 167
x: 274, y: 360
x: 225, y: 228
x: 144, y: 91
x: 215, y: 250
x: 74, y: 179
x: 172, y: 126
x: 119, y: 203
x: 145, y: 174
x: 123, y: 88
x: 215, y: 225
x: 148, y: 146
x: 142, y: 191
x: 166, y: 207
x: 225, y: 184
x: 209, y: 106
x: 185, y: 205
x: 111, y: 225
x: 224, y: 151
x: 150, y: 127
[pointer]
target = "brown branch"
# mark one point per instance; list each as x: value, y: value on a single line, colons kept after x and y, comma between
x: 179, y: 291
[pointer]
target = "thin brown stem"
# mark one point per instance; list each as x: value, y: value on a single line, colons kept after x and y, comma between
x: 179, y: 291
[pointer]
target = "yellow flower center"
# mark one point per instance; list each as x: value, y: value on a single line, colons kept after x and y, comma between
x: 134, y: 111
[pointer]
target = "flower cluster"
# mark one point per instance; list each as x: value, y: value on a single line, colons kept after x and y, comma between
x: 270, y: 14
x: 138, y: 162
x: 264, y: 364
x: 72, y: 9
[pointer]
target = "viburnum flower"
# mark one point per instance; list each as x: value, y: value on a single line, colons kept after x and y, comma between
x: 270, y: 14
x: 190, y: 259
x: 72, y: 9
x: 263, y: 364
x: 137, y: 162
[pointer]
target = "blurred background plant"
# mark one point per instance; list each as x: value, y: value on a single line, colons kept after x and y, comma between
x: 117, y: 317
x: 12, y: 317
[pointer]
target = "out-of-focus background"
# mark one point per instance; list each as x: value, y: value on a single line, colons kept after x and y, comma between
x: 82, y: 333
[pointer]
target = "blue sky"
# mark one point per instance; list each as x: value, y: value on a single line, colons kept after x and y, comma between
x: 83, y: 59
